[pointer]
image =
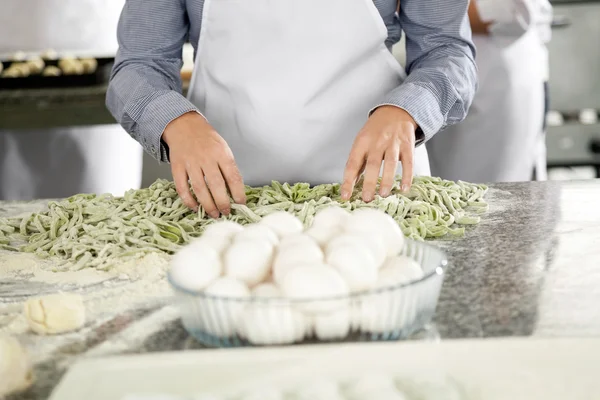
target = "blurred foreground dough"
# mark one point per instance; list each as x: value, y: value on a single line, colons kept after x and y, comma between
x: 15, y: 366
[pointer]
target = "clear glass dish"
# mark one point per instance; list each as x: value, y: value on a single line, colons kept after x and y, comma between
x: 388, y: 313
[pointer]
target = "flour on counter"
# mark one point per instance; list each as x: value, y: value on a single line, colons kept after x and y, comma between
x: 112, y: 299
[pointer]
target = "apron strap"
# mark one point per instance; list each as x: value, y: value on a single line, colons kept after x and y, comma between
x: 398, y: 7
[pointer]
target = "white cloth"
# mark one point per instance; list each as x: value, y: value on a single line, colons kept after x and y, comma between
x: 289, y: 100
x: 502, y: 139
x: 62, y: 162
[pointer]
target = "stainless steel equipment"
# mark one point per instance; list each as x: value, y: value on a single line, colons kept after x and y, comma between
x: 574, y: 128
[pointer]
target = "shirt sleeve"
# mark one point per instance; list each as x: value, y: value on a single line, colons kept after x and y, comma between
x: 145, y: 91
x: 440, y: 63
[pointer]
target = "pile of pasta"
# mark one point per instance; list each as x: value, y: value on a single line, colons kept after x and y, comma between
x: 98, y: 231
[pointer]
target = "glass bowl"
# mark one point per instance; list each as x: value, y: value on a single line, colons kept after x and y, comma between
x: 387, y: 313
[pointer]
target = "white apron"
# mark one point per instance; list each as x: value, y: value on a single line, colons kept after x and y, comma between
x: 288, y: 84
x: 502, y: 139
x: 61, y: 162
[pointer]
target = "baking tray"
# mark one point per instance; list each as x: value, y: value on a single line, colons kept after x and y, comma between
x: 99, y: 77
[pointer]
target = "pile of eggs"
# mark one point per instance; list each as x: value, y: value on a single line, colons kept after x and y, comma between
x: 274, y: 282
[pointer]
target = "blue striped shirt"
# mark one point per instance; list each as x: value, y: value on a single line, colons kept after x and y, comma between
x: 144, y: 93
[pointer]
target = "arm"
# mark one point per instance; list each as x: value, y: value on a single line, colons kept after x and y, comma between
x: 442, y: 76
x: 144, y: 93
x: 477, y: 25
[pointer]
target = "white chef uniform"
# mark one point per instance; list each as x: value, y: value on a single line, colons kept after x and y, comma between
x: 502, y: 137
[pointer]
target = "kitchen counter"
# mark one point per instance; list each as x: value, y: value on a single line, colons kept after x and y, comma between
x: 529, y: 269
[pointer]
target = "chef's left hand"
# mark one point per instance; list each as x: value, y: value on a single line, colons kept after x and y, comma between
x: 388, y: 137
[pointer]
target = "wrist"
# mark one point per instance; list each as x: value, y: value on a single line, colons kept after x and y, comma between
x: 400, y: 114
x: 176, y: 126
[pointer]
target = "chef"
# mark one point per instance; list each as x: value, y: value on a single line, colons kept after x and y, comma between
x: 502, y: 139
x: 290, y: 90
x: 61, y: 162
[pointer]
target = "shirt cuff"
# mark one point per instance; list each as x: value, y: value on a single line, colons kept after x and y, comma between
x: 163, y: 109
x: 421, y: 104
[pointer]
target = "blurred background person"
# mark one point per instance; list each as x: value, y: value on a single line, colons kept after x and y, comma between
x: 502, y: 139
x: 53, y: 163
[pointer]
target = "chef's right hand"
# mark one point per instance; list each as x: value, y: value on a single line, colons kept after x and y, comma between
x: 199, y: 155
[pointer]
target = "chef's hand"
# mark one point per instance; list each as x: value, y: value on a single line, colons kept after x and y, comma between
x: 199, y: 155
x: 388, y: 136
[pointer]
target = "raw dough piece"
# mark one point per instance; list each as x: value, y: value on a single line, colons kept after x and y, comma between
x: 51, y: 70
x: 15, y: 366
x: 56, y: 313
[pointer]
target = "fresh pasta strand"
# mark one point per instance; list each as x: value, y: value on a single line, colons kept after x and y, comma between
x: 87, y: 230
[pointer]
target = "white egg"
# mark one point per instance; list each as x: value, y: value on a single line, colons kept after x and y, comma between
x: 365, y: 386
x: 195, y: 266
x: 319, y: 389
x: 331, y: 217
x: 334, y: 325
x: 222, y: 311
x: 283, y: 223
x: 271, y: 322
x: 219, y: 243
x: 264, y: 394
x: 376, y: 222
x: 323, y: 234
x: 254, y: 231
x: 314, y: 282
x: 353, y: 259
x: 249, y: 260
x: 223, y: 228
x: 288, y: 258
x: 398, y: 270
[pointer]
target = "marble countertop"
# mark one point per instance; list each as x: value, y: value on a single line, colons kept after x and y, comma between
x: 531, y: 268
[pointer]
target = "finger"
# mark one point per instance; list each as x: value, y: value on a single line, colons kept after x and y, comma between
x: 372, y: 171
x: 234, y: 180
x: 203, y: 194
x: 180, y: 177
x: 407, y: 158
x: 354, y: 166
x: 218, y: 190
x: 390, y: 165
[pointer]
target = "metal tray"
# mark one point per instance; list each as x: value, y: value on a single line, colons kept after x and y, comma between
x: 38, y: 81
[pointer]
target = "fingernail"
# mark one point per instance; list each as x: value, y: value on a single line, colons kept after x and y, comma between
x: 384, y: 192
x: 345, y: 194
x: 240, y: 200
x: 227, y: 211
x: 214, y: 215
x: 405, y: 188
x: 368, y: 198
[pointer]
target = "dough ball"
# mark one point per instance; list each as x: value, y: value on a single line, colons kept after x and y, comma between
x: 71, y: 66
x: 195, y: 266
x: 283, y: 223
x: 19, y: 56
x: 222, y: 311
x: 320, y: 286
x: 15, y: 366
x: 36, y: 65
x: 51, y: 70
x: 89, y: 65
x: 56, y: 313
x: 49, y: 54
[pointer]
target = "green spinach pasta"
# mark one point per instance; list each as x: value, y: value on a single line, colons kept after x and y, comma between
x: 100, y: 230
